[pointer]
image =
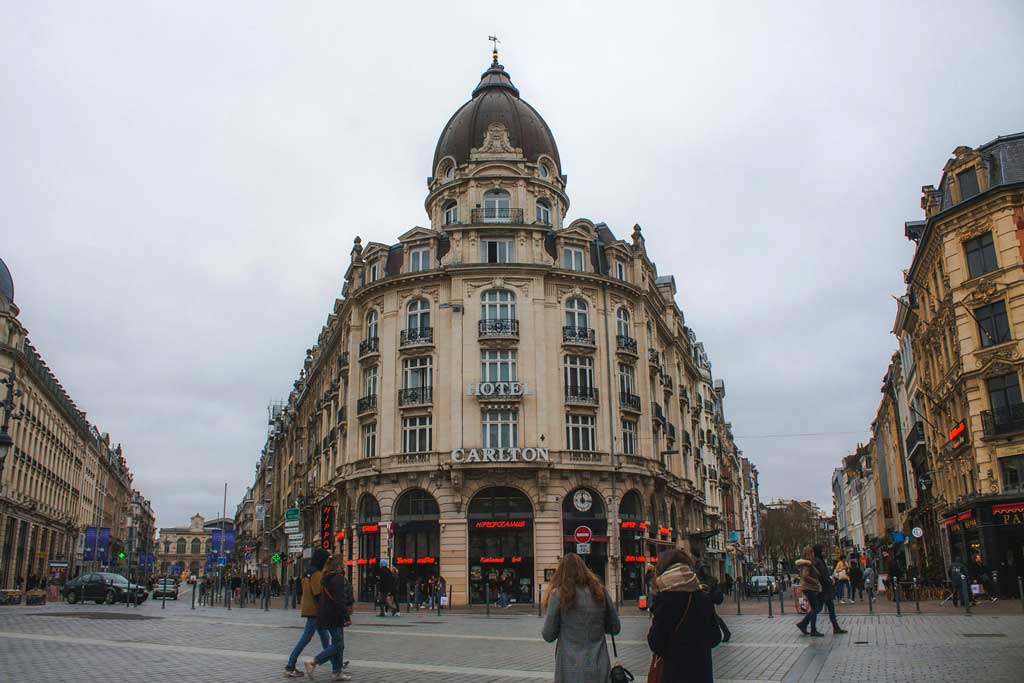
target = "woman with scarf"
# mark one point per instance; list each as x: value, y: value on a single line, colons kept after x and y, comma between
x: 579, y: 614
x: 685, y: 628
x: 811, y: 587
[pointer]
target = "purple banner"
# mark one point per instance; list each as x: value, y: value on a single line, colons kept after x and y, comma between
x: 215, y: 541
x: 229, y: 541
x: 90, y: 544
x: 101, y: 544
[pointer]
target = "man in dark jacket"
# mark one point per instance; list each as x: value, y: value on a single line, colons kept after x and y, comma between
x: 856, y: 579
x: 828, y: 595
x: 957, y: 576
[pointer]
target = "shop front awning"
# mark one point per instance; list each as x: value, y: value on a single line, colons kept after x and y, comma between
x: 704, y: 535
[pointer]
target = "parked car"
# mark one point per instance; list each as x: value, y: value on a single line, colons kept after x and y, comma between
x: 103, y: 587
x: 762, y: 585
x: 168, y: 587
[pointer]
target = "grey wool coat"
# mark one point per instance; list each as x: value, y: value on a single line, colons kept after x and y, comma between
x: 581, y: 655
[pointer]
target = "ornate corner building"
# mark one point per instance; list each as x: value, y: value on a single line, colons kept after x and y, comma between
x: 949, y: 429
x: 60, y: 475
x: 500, y: 388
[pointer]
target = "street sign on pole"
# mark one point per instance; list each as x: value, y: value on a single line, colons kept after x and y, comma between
x: 291, y: 515
x: 582, y: 548
x: 583, y: 534
x: 917, y: 532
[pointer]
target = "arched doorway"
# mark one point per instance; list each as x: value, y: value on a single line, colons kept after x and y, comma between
x: 417, y: 537
x: 585, y: 508
x: 368, y: 529
x: 500, y: 545
x: 631, y: 545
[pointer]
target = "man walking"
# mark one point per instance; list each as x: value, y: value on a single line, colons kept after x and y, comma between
x: 827, y: 596
x: 856, y: 580
x: 310, y: 593
x: 956, y: 579
x: 870, y: 580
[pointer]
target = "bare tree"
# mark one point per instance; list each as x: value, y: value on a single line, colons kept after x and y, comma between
x: 786, y: 530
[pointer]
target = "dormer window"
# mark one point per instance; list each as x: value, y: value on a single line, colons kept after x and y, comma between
x: 449, y: 172
x: 620, y: 270
x: 543, y: 212
x: 544, y: 173
x: 419, y: 259
x: 572, y: 259
x: 374, y: 272
x: 497, y: 206
x: 451, y: 213
x: 968, y: 182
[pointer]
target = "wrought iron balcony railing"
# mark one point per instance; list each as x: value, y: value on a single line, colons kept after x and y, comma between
x: 415, y: 396
x: 499, y: 327
x: 367, y: 404
x: 624, y: 343
x: 343, y: 359
x: 496, y: 214
x: 578, y: 335
x: 581, y: 394
x: 629, y: 402
x: 1008, y: 420
x: 368, y: 346
x: 417, y: 335
x: 915, y: 437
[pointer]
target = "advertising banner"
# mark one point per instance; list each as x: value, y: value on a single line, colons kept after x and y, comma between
x: 89, y: 554
x: 102, y: 542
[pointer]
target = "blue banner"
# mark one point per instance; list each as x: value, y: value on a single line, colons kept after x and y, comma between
x: 215, y: 541
x: 101, y: 544
x: 90, y: 544
x: 229, y: 541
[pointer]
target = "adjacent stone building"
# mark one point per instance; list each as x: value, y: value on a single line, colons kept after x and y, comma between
x: 188, y: 550
x: 500, y: 388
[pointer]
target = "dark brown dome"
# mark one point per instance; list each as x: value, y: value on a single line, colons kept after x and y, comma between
x: 495, y: 99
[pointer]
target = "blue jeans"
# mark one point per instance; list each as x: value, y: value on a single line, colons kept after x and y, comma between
x: 503, y: 598
x: 335, y: 651
x: 811, y: 618
x: 307, y: 635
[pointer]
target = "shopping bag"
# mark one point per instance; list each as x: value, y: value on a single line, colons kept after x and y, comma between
x: 444, y: 601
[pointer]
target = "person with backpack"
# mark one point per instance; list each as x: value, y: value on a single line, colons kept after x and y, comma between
x: 334, y: 612
x: 311, y: 587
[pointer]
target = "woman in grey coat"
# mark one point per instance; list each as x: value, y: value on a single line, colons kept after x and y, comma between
x: 579, y: 614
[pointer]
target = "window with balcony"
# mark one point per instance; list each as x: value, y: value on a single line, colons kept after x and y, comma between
x: 968, y: 182
x: 543, y: 212
x: 451, y: 213
x: 497, y: 206
x: 579, y: 378
x: 981, y: 255
x: 419, y: 259
x: 572, y: 259
x: 369, y: 438
x: 498, y: 251
x: 993, y: 325
x: 370, y: 376
x: 500, y: 429
x: 417, y: 434
x: 629, y: 437
x: 619, y: 270
x: 372, y: 323
x: 417, y: 323
x: 498, y: 304
x: 1013, y: 472
x: 1007, y: 411
x: 580, y: 434
x: 417, y: 380
x: 498, y: 366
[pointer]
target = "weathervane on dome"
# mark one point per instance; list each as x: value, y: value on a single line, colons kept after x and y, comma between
x: 494, y: 39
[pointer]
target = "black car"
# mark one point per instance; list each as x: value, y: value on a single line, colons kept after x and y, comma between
x: 103, y: 587
x: 168, y: 587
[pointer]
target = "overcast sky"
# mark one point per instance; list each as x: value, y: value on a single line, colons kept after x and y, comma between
x: 181, y: 184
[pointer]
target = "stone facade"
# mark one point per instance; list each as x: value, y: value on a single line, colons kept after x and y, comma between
x: 187, y: 550
x: 487, y: 386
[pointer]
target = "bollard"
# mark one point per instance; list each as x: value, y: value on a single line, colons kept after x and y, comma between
x: 896, y: 585
x: 266, y: 596
x: 540, y: 595
x: 965, y: 590
x: 737, y: 600
x: 228, y: 594
x: 770, y: 615
x: 871, y: 607
x: 782, y: 601
x: 917, y: 596
x: 193, y: 596
x: 1020, y: 592
x: 163, y: 587
x: 487, y: 596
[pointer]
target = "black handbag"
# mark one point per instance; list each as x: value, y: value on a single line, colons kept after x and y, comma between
x: 619, y: 673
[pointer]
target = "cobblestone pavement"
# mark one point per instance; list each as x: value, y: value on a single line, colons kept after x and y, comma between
x: 85, y: 643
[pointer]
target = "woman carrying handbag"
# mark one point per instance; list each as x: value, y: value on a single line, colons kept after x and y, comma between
x: 684, y: 629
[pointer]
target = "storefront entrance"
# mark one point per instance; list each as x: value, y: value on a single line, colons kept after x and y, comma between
x: 417, y: 539
x: 500, y: 546
x: 631, y: 545
x: 368, y: 532
x: 584, y: 509
x: 1008, y: 530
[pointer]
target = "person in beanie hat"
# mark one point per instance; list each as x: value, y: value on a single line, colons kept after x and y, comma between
x: 310, y: 594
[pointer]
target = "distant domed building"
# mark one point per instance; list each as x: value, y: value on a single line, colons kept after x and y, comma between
x: 499, y: 388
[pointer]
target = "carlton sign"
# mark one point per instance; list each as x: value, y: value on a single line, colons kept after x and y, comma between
x: 460, y: 455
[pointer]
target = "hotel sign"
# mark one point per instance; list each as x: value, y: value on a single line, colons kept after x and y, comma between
x: 497, y: 389
x: 529, y: 454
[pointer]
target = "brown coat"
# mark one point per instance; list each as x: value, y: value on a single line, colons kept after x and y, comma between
x: 808, y: 577
x: 310, y: 593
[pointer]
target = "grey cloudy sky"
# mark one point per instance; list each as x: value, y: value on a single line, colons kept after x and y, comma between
x: 181, y: 184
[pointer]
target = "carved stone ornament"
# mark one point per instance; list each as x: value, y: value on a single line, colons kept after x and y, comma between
x: 1004, y: 356
x: 496, y: 140
x: 969, y: 232
x: 998, y: 368
x: 984, y: 291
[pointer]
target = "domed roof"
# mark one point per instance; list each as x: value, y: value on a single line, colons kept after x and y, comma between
x: 6, y: 282
x: 495, y: 99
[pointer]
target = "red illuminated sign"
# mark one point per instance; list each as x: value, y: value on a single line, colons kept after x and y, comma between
x: 426, y: 560
x: 957, y: 430
x: 516, y: 560
x: 629, y: 525
x: 635, y: 558
x: 339, y: 535
x: 404, y: 560
x: 327, y: 527
x: 501, y: 524
x: 492, y: 560
x: 664, y: 531
x: 370, y: 528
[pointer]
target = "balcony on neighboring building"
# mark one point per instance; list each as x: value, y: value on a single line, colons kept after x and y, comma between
x: 499, y: 328
x: 341, y: 415
x: 579, y: 336
x: 1003, y: 421
x: 415, y: 336
x: 343, y: 360
x: 629, y: 402
x: 581, y: 395
x: 369, y: 346
x: 915, y: 437
x: 654, y: 359
x: 367, y: 404
x: 625, y: 344
x: 497, y: 214
x: 659, y: 413
x: 416, y: 396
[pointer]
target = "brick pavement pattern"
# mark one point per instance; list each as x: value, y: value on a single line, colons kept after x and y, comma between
x: 86, y: 643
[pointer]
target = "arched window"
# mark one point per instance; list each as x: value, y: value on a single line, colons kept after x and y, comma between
x: 497, y: 206
x: 543, y: 212
x: 622, y: 327
x: 369, y: 509
x: 418, y: 317
x: 182, y: 547
x: 576, y: 313
x: 414, y: 505
x: 500, y: 502
x: 544, y: 172
x: 167, y: 547
x: 498, y: 304
x: 371, y: 324
x: 197, y: 547
x: 451, y: 212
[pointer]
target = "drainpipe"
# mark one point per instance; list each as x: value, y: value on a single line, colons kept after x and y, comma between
x: 613, y: 533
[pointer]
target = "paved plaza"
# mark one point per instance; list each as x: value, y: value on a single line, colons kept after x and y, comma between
x: 85, y: 643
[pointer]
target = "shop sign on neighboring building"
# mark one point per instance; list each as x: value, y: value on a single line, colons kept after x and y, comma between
x: 529, y: 454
